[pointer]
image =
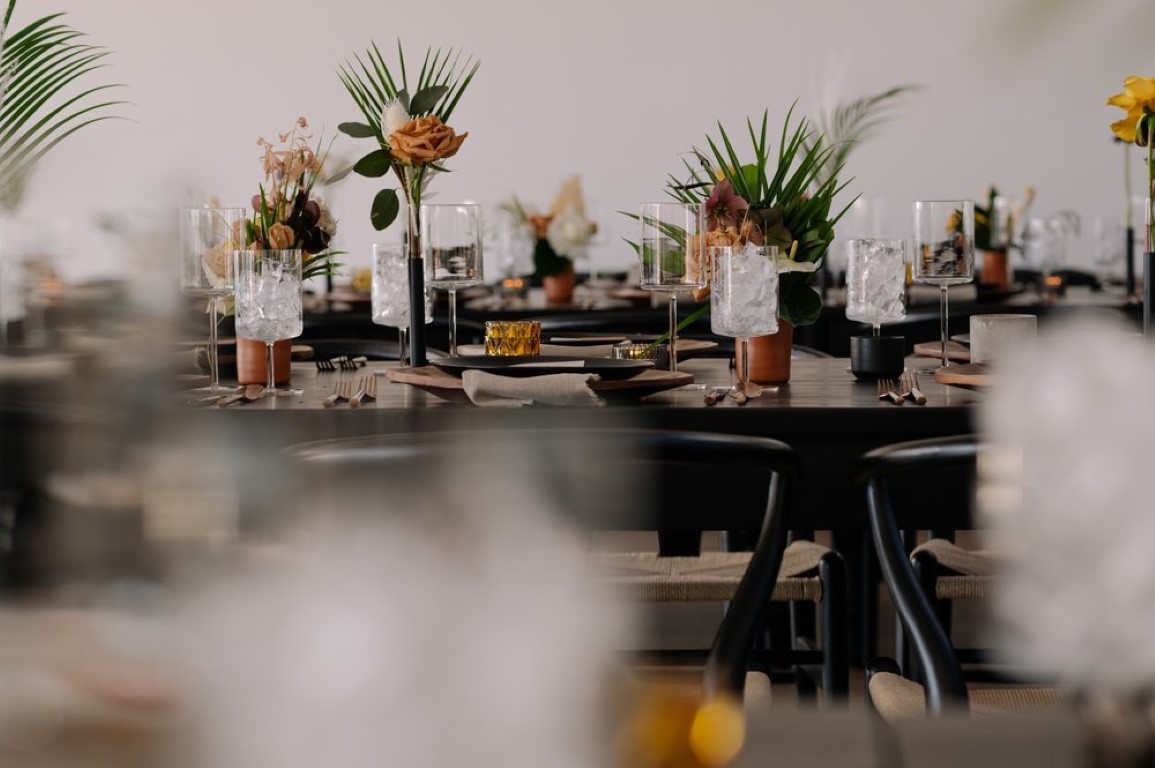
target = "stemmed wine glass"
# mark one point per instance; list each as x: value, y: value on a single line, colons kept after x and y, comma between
x: 875, y: 282
x: 451, y: 246
x: 390, y: 294
x: 671, y: 256
x: 944, y: 250
x: 744, y: 301
x: 268, y: 300
x: 208, y: 238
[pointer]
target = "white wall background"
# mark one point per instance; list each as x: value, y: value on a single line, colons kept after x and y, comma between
x: 1013, y: 93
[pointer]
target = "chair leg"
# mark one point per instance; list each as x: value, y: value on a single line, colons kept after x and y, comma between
x: 835, y: 640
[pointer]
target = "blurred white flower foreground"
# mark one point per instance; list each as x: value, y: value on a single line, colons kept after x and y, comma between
x: 1081, y: 600
x: 454, y: 625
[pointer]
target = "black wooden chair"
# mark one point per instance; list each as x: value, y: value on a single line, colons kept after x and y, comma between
x: 693, y: 482
x: 922, y: 579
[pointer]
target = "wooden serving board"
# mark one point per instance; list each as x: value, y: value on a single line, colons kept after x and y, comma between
x: 969, y: 375
x: 954, y: 351
x: 448, y: 387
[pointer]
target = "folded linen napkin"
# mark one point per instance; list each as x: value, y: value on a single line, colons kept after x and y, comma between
x: 489, y: 389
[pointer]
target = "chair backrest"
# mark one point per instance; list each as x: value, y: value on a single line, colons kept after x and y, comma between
x: 927, y: 464
x: 690, y: 481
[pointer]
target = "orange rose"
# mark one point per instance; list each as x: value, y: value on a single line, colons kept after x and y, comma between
x: 424, y: 140
x: 281, y: 237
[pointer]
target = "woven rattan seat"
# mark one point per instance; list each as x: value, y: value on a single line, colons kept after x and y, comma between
x: 965, y: 574
x: 712, y: 576
x: 897, y: 698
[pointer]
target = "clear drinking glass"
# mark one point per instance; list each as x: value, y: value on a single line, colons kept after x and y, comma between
x: 944, y: 250
x: 451, y: 246
x: 875, y: 281
x: 672, y: 259
x: 208, y: 239
x: 390, y: 292
x: 268, y: 300
x: 744, y: 301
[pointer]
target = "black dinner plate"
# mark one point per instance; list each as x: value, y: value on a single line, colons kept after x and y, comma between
x: 609, y: 369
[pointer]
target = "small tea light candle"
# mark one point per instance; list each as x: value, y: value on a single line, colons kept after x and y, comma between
x: 512, y: 338
x: 629, y: 350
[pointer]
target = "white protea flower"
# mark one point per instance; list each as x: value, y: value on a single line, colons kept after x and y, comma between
x: 393, y: 117
x: 569, y: 232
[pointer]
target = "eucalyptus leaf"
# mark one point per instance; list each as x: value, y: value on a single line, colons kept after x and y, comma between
x: 385, y: 208
x: 357, y: 130
x: 339, y: 175
x: 426, y: 99
x: 375, y: 164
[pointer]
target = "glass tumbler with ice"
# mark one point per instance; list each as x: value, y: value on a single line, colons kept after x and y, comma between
x: 744, y: 301
x: 268, y: 299
x: 876, y: 281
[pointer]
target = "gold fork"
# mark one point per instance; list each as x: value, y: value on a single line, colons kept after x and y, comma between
x: 886, y: 391
x: 342, y: 390
x: 363, y: 385
x: 910, y: 388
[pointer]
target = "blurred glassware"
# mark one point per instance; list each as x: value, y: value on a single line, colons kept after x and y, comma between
x: 390, y: 293
x: 944, y: 252
x: 865, y: 220
x: 208, y: 239
x: 451, y: 246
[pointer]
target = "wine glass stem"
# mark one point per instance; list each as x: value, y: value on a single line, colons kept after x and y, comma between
x: 743, y: 362
x: 453, y: 322
x: 214, y: 368
x: 877, y: 330
x: 942, y: 306
x: 272, y: 385
x: 673, y: 331
x: 402, y: 357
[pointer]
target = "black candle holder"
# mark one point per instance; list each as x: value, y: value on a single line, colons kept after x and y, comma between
x: 877, y: 357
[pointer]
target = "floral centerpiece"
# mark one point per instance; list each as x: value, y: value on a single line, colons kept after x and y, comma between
x: 1138, y: 127
x: 39, y: 63
x: 409, y: 127
x: 560, y: 235
x: 773, y: 200
x: 287, y: 212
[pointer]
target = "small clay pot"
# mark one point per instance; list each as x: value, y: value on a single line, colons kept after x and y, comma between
x: 252, y: 361
x: 559, y: 287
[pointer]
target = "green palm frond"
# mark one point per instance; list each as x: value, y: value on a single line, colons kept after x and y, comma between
x: 42, y: 99
x: 852, y: 123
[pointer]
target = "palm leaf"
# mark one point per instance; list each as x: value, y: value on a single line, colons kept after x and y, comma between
x: 41, y: 66
x: 855, y: 121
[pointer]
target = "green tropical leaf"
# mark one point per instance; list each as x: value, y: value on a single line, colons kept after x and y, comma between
x: 357, y: 130
x: 41, y: 66
x: 385, y: 208
x: 375, y: 164
x: 426, y: 99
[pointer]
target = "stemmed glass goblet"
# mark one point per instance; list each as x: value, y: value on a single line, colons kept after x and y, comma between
x: 875, y: 281
x: 208, y: 238
x: 944, y: 251
x: 451, y: 245
x: 672, y: 261
x: 390, y: 293
x: 744, y: 301
x: 268, y: 300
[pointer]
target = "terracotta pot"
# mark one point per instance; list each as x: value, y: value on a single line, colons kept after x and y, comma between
x: 996, y: 271
x: 252, y: 361
x: 559, y: 287
x: 770, y: 355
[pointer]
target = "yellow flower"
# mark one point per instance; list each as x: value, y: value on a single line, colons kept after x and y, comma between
x: 1138, y: 98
